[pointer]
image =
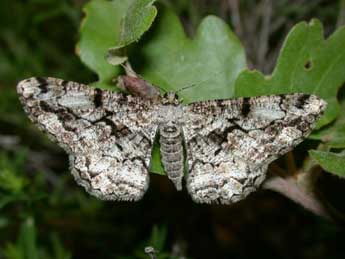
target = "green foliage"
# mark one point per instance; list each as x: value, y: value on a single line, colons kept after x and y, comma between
x: 14, y: 187
x: 109, y: 23
x: 99, y: 30
x: 207, y: 65
x: 137, y: 19
x: 26, y: 246
x: 10, y: 180
x: 333, y: 136
x: 307, y: 64
x: 331, y: 162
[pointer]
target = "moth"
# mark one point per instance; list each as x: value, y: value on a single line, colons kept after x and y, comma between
x: 221, y: 147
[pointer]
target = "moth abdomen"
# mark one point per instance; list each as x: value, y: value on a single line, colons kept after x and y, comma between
x: 172, y: 153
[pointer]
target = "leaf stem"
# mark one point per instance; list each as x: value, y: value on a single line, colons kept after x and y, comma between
x: 290, y: 188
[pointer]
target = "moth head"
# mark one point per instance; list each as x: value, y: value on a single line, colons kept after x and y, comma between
x: 171, y: 98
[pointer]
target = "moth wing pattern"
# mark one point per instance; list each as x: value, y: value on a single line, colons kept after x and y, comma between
x: 230, y: 143
x: 108, y: 135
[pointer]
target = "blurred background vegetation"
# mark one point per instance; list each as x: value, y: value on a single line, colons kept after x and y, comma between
x: 44, y: 214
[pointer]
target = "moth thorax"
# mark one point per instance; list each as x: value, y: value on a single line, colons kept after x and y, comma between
x: 170, y: 132
x: 170, y: 98
x: 172, y: 153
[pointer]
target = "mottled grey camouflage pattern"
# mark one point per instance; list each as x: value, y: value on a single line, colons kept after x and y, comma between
x: 109, y: 137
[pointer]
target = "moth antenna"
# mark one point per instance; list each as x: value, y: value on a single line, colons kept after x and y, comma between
x: 198, y: 83
x: 186, y: 87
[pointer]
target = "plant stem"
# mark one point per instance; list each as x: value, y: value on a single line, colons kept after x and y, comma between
x: 289, y: 188
x: 290, y: 162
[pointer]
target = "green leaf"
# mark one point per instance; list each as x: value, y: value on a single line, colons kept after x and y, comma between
x: 138, y: 19
x: 307, y: 63
x: 27, y: 239
x: 109, y: 23
x: 330, y: 162
x: 333, y: 135
x: 209, y: 63
x: 98, y: 32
